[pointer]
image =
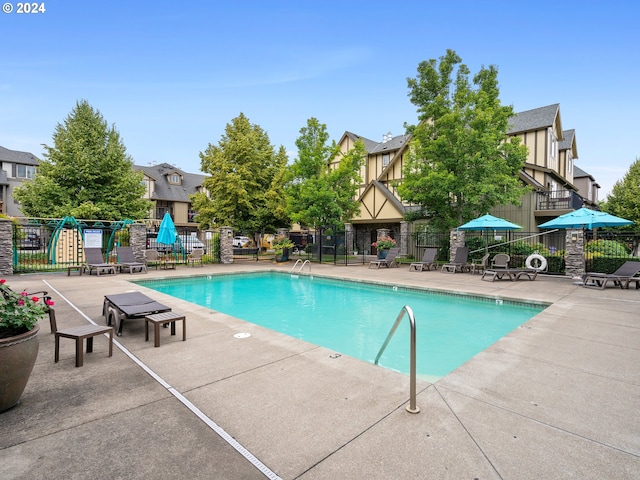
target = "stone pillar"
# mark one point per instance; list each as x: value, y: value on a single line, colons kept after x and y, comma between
x: 349, y: 238
x: 404, y: 239
x: 138, y: 240
x: 6, y: 246
x: 574, y: 252
x: 382, y: 232
x: 283, y: 232
x: 226, y: 245
x: 456, y: 239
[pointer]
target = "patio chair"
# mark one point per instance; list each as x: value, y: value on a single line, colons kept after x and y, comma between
x: 389, y: 261
x: 479, y: 265
x: 94, y: 261
x: 459, y: 263
x: 152, y: 257
x: 123, y: 306
x: 195, y: 257
x: 428, y: 260
x: 78, y: 334
x: 620, y: 278
x: 500, y: 260
x: 127, y: 261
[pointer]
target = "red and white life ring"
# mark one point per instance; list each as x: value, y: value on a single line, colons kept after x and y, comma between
x: 540, y: 262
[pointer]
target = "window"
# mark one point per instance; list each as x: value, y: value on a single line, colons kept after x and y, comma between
x: 553, y: 151
x: 174, y: 179
x: 385, y: 159
x: 25, y: 171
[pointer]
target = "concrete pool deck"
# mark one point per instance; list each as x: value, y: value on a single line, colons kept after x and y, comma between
x: 556, y: 398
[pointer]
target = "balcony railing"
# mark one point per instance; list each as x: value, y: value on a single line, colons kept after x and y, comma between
x: 558, y: 200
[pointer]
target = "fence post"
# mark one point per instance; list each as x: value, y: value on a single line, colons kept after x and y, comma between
x: 574, y: 252
x: 138, y: 240
x: 456, y: 239
x: 6, y: 246
x: 226, y: 245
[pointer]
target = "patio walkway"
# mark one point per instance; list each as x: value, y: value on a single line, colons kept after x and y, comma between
x: 556, y: 398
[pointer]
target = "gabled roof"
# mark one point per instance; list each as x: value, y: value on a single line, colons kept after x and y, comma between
x: 167, y: 191
x: 15, y: 156
x: 395, y: 143
x: 569, y: 142
x: 579, y: 173
x: 369, y: 145
x: 535, y: 119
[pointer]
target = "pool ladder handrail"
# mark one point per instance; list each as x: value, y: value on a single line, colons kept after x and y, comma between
x: 301, y: 266
x: 412, y: 407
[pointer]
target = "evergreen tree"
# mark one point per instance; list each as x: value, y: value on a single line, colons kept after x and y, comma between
x: 624, y: 200
x: 86, y: 174
x: 461, y: 162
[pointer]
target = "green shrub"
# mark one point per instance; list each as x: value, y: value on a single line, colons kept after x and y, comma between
x: 605, y: 248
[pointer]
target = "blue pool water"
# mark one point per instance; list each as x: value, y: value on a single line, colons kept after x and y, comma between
x: 355, y: 318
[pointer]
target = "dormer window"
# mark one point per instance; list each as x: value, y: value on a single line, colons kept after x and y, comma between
x: 174, y: 179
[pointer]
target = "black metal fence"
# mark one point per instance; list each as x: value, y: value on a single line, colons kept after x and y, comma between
x: 604, y: 251
x: 54, y: 245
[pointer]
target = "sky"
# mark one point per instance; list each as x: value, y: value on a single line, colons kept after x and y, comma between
x: 170, y: 76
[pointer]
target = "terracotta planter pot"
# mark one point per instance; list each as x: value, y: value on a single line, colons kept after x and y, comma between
x: 17, y: 357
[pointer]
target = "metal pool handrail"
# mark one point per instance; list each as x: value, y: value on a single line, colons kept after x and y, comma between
x: 301, y: 266
x: 412, y: 407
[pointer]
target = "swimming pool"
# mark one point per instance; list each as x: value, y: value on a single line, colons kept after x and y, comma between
x: 354, y: 318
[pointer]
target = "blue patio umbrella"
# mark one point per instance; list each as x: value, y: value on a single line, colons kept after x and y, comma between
x: 586, y: 218
x: 489, y: 222
x: 167, y: 233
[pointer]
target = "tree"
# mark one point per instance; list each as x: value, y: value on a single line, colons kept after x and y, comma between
x: 85, y: 174
x: 624, y: 200
x: 321, y: 195
x: 461, y: 162
x: 245, y: 181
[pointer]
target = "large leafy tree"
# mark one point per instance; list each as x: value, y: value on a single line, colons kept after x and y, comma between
x: 624, y: 200
x: 244, y: 183
x: 461, y: 162
x: 322, y: 195
x: 87, y: 173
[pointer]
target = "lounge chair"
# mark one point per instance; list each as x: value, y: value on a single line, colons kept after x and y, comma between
x: 501, y: 260
x: 94, y: 261
x: 122, y: 306
x: 512, y: 274
x: 389, y: 261
x: 127, y: 261
x: 480, y: 265
x: 622, y: 277
x: 459, y: 263
x: 195, y: 257
x: 428, y: 260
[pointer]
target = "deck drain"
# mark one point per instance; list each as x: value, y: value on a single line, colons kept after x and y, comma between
x: 242, y: 335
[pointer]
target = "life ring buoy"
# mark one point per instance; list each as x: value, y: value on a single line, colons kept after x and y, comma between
x: 541, y: 262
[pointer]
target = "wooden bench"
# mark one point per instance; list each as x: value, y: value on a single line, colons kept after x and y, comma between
x: 246, y: 252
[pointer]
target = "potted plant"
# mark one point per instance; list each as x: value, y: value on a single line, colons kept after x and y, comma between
x: 281, y: 247
x: 383, y: 245
x: 19, y: 316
